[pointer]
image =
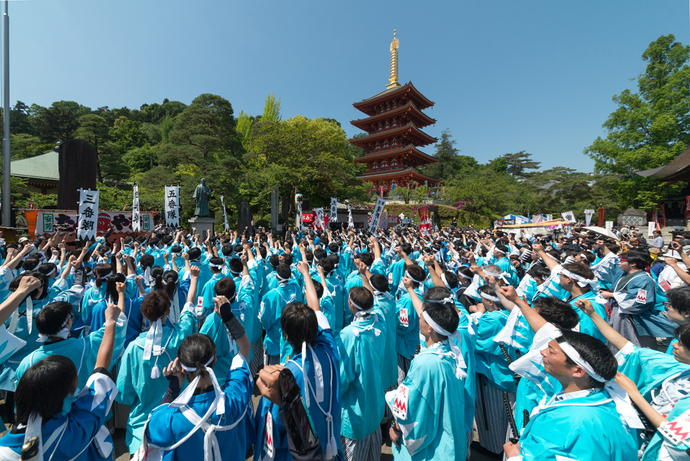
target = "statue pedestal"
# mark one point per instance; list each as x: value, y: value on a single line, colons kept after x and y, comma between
x: 202, y: 225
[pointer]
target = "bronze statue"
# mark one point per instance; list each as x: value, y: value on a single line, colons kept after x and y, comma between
x: 201, y: 196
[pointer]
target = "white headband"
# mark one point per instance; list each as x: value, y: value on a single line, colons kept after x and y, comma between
x: 219, y: 267
x: 581, y: 281
x: 63, y: 333
x: 460, y: 365
x: 193, y: 369
x: 407, y: 274
x: 489, y: 297
x: 618, y: 395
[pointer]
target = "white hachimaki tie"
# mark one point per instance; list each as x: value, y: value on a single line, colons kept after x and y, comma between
x: 456, y: 353
x: 618, y: 395
x: 154, y: 338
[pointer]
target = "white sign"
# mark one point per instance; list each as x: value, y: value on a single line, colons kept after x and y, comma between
x: 350, y: 221
x: 298, y: 217
x: 608, y: 225
x: 568, y: 216
x: 136, y: 217
x: 588, y: 216
x: 376, y: 216
x: 172, y: 206
x: 319, y: 218
x: 88, y: 214
x: 334, y: 210
x: 651, y: 227
x: 226, y: 226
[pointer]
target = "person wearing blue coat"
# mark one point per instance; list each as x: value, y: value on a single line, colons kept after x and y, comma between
x: 68, y: 426
x: 315, y: 367
x: 407, y: 328
x: 206, y: 421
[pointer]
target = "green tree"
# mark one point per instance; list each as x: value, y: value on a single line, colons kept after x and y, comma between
x: 649, y: 128
x: 244, y: 128
x: 24, y: 145
x: 517, y: 164
x: 94, y: 129
x: 58, y: 122
x: 271, y: 109
x: 450, y: 163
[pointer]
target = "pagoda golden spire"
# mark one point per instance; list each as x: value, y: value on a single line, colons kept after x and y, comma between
x: 394, y: 62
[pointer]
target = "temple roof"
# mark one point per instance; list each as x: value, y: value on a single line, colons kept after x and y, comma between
x: 407, y: 90
x: 406, y: 172
x: 420, y: 118
x: 677, y: 170
x: 395, y: 153
x: 41, y: 167
x: 410, y: 128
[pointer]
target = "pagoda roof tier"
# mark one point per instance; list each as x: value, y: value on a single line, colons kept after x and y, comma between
x: 410, y: 149
x: 411, y: 173
x: 413, y: 134
x: 409, y: 111
x: 407, y: 92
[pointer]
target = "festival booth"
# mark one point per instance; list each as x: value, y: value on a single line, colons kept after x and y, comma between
x: 42, y: 222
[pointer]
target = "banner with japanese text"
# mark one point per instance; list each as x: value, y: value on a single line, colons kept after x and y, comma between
x: 334, y: 209
x: 172, y: 206
x: 376, y: 215
x: 51, y: 221
x: 88, y: 214
x: 136, y: 220
x: 226, y: 226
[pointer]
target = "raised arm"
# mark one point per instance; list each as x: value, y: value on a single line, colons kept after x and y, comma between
x: 535, y: 320
x: 613, y: 337
x: 310, y: 291
x: 105, y: 351
x: 429, y: 261
x: 548, y: 260
x: 416, y: 302
x: 191, y: 294
x: 26, y: 286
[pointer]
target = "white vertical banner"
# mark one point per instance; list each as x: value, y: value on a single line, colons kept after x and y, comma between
x: 88, y: 214
x: 350, y: 221
x: 226, y: 226
x: 376, y: 215
x: 136, y: 217
x: 298, y: 218
x: 588, y: 216
x: 334, y: 210
x: 172, y: 206
x: 319, y: 218
x: 608, y: 225
x: 651, y: 227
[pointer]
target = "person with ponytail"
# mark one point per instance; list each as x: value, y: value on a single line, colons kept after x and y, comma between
x: 68, y: 425
x: 315, y: 367
x: 177, y: 291
x: 139, y: 380
x: 98, y: 292
x: 206, y: 421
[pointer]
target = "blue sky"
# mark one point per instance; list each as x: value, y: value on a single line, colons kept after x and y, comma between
x: 506, y: 75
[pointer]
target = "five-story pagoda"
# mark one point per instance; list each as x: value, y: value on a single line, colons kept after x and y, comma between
x: 394, y: 121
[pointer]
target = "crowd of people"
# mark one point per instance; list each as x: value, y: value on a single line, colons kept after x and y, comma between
x: 566, y: 346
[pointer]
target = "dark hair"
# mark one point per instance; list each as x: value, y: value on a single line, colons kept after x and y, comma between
x: 680, y: 299
x: 579, y: 269
x: 46, y: 268
x: 333, y: 247
x: 327, y: 265
x: 539, y: 272
x: 379, y: 282
x: 443, y: 313
x: 366, y: 258
x: 236, y: 266
x: 464, y: 270
x: 155, y: 305
x: 51, y: 318
x: 299, y: 325
x: 592, y: 351
x: 227, y: 250
x: 283, y: 271
x: 406, y: 248
x: 226, y: 287
x: 147, y: 261
x: 451, y: 279
x: 320, y: 253
x: 640, y: 259
x: 318, y: 287
x: 157, y: 271
x: 287, y: 259
x: 176, y: 249
x: 416, y: 273
x: 309, y: 255
x: 31, y: 263
x: 194, y: 352
x: 274, y: 260
x: 14, y: 284
x: 557, y: 311
x: 170, y: 278
x: 43, y: 387
x: 217, y: 262
x: 682, y: 334
x: 102, y: 270
x: 194, y: 254
x: 111, y: 285
x: 362, y: 297
x: 335, y: 258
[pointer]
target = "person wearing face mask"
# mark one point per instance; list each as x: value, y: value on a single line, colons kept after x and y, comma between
x: 67, y: 425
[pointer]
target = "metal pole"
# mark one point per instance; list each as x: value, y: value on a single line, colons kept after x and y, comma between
x: 6, y: 159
